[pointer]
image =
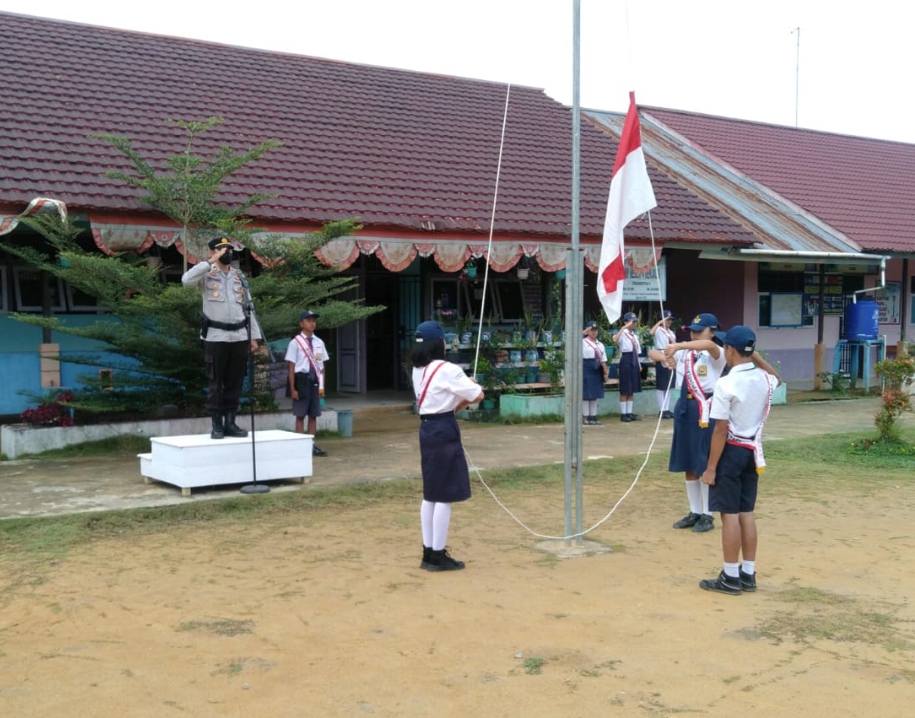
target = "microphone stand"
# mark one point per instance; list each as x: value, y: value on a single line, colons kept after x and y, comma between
x: 253, y: 488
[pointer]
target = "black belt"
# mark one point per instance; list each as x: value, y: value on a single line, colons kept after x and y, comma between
x: 433, y: 417
x: 707, y: 396
x: 226, y: 326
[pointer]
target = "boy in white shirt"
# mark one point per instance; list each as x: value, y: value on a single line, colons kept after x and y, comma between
x: 740, y: 407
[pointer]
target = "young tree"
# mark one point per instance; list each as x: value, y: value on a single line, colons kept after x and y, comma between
x: 152, y: 328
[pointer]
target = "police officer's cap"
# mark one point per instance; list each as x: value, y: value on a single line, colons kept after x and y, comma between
x: 220, y: 242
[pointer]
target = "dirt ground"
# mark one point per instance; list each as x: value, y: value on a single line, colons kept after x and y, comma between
x: 328, y: 614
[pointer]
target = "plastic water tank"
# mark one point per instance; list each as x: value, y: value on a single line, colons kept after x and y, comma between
x: 862, y: 320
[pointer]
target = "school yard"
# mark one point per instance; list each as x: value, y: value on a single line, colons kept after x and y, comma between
x: 311, y: 602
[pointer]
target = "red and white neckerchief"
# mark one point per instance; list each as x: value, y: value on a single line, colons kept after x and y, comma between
x: 598, y: 354
x: 303, y: 342
x: 669, y: 333
x: 754, y: 444
x: 695, y: 388
x: 424, y: 383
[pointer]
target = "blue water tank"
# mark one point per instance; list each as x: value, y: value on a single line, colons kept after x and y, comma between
x: 862, y: 320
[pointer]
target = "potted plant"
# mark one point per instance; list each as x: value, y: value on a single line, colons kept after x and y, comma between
x: 470, y: 269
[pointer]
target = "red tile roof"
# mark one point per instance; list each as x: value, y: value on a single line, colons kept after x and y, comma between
x: 862, y: 187
x: 401, y: 150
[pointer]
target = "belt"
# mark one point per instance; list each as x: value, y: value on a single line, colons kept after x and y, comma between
x: 226, y: 326
x: 707, y: 396
x: 434, y: 417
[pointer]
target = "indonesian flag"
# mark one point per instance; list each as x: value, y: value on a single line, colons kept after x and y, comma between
x: 630, y: 196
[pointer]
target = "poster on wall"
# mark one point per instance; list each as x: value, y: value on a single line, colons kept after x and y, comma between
x: 644, y: 287
x: 888, y: 303
x: 833, y: 300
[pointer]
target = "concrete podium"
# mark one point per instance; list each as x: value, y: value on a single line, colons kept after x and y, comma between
x: 196, y: 460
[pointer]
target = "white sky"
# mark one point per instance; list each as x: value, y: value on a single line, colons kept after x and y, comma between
x: 735, y: 58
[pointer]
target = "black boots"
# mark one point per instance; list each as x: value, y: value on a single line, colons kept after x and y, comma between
x: 231, y: 428
x: 442, y: 561
x: 427, y: 555
x: 217, y: 432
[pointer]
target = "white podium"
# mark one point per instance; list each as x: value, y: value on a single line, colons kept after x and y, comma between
x: 197, y: 460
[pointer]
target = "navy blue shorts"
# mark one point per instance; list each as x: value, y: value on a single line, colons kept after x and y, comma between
x: 309, y: 401
x: 736, y: 482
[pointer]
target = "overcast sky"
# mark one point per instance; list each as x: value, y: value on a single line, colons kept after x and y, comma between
x: 722, y: 57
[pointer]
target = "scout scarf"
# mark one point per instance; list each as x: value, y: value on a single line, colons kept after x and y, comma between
x: 310, y: 355
x: 598, y: 354
x: 754, y: 444
x: 425, y: 384
x: 695, y: 388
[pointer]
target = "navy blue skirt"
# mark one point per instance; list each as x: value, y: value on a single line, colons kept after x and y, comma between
x: 592, y: 380
x: 662, y: 376
x: 691, y: 443
x: 630, y: 373
x: 446, y: 478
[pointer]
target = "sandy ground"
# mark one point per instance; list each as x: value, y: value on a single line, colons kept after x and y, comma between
x: 327, y: 614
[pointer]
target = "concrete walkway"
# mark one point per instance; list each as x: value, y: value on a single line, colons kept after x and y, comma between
x: 383, y: 446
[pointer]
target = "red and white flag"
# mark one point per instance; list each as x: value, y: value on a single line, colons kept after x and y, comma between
x: 631, y: 195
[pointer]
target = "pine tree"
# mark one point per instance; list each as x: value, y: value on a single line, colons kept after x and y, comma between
x: 153, y: 328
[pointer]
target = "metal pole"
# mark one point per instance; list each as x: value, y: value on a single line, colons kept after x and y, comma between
x: 573, y: 367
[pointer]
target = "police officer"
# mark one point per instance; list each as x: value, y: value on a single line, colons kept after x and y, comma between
x: 227, y: 310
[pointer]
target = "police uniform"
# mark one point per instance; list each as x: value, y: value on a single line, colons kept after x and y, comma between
x: 690, y: 446
x: 742, y: 399
x: 224, y: 331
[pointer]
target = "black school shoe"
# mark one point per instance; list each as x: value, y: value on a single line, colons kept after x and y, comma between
x: 747, y: 581
x: 688, y: 521
x: 667, y: 415
x: 625, y: 417
x: 705, y: 523
x: 722, y: 584
x: 442, y: 561
x: 315, y: 451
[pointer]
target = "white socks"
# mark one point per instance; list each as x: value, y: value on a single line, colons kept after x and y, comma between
x: 663, y: 400
x: 589, y: 407
x: 694, y: 495
x: 749, y: 568
x: 703, y: 487
x: 435, y: 518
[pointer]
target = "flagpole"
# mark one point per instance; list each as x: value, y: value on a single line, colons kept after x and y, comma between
x: 574, y: 306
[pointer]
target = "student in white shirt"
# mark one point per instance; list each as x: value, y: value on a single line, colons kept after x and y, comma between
x: 594, y: 373
x: 663, y: 335
x: 630, y: 366
x: 740, y: 407
x: 441, y: 389
x: 305, y: 357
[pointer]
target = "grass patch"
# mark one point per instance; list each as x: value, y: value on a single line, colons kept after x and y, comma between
x: 124, y: 444
x: 219, y: 626
x: 819, y: 615
x: 533, y: 666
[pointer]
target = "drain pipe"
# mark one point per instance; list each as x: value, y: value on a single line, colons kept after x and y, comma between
x: 854, y: 296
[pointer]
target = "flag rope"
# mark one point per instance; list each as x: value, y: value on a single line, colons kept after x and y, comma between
x: 654, y: 437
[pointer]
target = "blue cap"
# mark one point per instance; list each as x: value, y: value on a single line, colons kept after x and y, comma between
x: 667, y: 314
x: 703, y: 321
x: 429, y: 332
x: 307, y: 315
x: 591, y: 325
x: 740, y: 337
x: 630, y: 317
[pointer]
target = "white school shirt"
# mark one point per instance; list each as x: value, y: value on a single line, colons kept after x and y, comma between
x: 742, y: 399
x: 629, y: 342
x: 662, y: 337
x: 449, y: 386
x: 708, y: 369
x: 591, y: 348
x: 296, y: 355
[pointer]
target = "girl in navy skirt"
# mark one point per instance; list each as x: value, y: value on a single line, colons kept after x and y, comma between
x: 630, y: 370
x: 699, y: 363
x: 666, y: 387
x: 593, y: 375
x: 441, y: 389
